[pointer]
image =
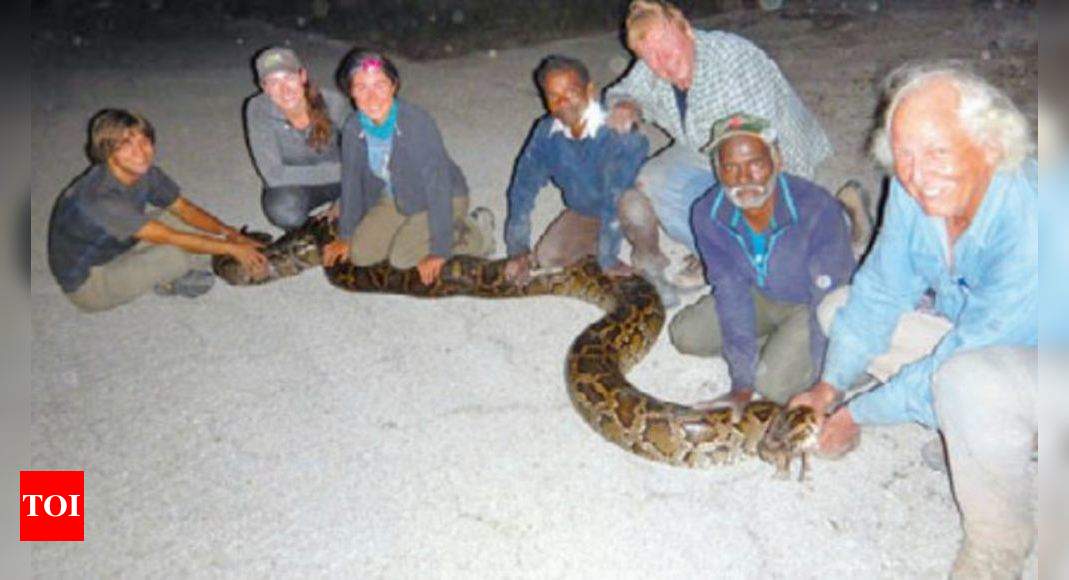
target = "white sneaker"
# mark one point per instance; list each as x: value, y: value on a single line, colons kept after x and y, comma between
x: 483, y: 220
x: 934, y: 455
x: 191, y: 284
x: 691, y: 274
x: 667, y: 291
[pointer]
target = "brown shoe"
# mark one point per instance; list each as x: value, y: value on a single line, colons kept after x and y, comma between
x: 853, y: 196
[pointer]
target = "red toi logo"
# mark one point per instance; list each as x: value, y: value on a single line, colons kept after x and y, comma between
x: 51, y: 506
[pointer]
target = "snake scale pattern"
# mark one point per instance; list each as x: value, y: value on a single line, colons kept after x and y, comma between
x: 597, y: 361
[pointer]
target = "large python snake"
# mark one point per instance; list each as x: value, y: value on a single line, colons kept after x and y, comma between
x: 597, y: 361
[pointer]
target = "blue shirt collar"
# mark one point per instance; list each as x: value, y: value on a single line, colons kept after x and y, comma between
x: 985, y: 217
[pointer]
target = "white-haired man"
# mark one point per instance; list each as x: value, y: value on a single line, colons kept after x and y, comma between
x: 960, y: 225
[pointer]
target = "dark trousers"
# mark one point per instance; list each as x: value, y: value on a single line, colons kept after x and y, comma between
x: 573, y: 236
x: 288, y: 207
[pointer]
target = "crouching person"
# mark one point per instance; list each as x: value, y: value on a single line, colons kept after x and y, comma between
x: 590, y: 163
x: 105, y: 248
x: 293, y: 128
x: 960, y: 221
x: 773, y: 245
x: 403, y: 198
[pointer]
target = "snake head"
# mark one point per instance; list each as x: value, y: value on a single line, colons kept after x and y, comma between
x: 792, y: 434
x: 262, y: 237
x: 794, y: 430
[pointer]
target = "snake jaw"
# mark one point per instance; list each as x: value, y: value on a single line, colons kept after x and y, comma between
x: 793, y: 434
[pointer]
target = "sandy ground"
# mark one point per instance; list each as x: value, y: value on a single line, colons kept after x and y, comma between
x: 294, y: 429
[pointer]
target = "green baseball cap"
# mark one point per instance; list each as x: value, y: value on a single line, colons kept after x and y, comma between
x: 739, y: 124
x: 276, y: 59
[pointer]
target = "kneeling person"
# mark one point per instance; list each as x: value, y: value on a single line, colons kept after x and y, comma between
x: 403, y: 198
x: 590, y: 163
x: 960, y: 236
x: 773, y: 245
x: 105, y: 249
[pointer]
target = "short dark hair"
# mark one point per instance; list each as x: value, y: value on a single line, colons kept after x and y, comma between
x: 557, y: 62
x: 355, y: 58
x: 108, y: 128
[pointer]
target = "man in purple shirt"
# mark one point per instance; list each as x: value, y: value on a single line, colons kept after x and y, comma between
x: 772, y: 245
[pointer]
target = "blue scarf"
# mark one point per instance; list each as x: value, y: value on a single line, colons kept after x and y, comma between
x: 383, y: 131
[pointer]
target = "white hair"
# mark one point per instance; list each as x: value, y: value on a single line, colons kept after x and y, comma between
x: 986, y: 113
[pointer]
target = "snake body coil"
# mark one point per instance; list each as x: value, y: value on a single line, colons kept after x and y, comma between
x: 597, y: 361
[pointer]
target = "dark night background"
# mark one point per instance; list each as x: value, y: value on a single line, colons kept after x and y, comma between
x: 417, y: 29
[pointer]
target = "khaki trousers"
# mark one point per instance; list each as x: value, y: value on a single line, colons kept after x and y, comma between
x: 985, y: 401
x: 784, y: 367
x: 137, y: 271
x: 386, y: 234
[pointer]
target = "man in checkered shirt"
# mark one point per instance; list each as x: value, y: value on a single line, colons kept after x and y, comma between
x: 684, y: 81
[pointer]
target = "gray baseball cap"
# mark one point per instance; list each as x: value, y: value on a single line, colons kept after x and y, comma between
x: 276, y: 59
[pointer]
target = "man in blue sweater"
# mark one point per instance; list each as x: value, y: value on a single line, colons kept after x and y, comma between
x: 590, y: 163
x: 773, y: 245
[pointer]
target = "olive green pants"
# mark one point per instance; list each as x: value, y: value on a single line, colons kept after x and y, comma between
x: 404, y: 240
x: 138, y: 270
x: 784, y: 367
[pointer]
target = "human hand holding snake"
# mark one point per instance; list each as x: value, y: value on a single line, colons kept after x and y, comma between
x: 430, y: 267
x: 335, y: 251
x: 518, y: 269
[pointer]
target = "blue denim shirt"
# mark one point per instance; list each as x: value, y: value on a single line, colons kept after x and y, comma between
x: 592, y: 172
x: 808, y: 256
x: 990, y: 292
x: 1054, y: 256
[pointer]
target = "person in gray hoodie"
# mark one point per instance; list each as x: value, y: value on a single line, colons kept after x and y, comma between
x: 294, y: 130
